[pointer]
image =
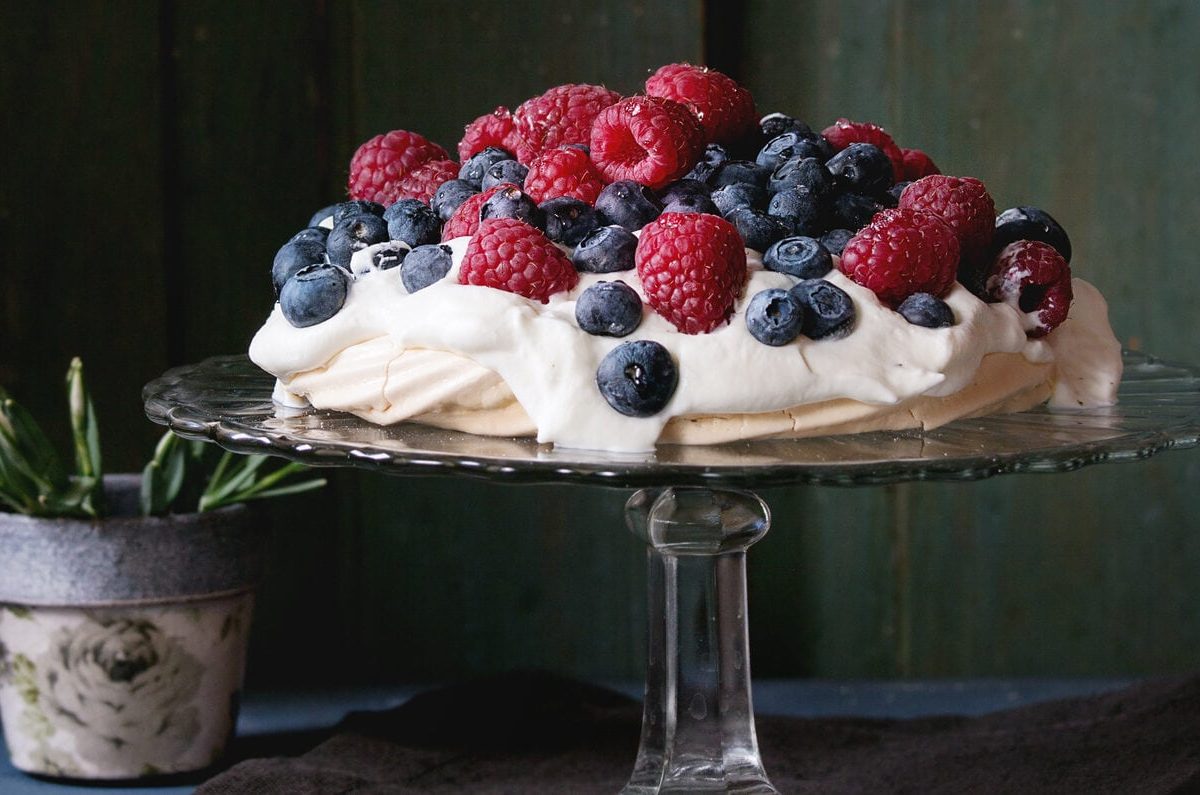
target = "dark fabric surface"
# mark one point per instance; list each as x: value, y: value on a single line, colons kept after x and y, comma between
x: 529, y: 733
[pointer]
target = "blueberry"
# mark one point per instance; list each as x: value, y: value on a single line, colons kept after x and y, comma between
x: 352, y: 233
x: 784, y: 147
x: 413, y: 222
x: 893, y: 193
x: 449, y: 196
x: 425, y: 265
x: 293, y: 256
x: 1030, y: 223
x: 313, y: 234
x: 923, y: 309
x: 692, y: 204
x: 605, y: 250
x: 734, y: 172
x: 513, y: 202
x: 757, y: 229
x: 314, y: 294
x: 808, y: 173
x: 509, y: 171
x: 730, y: 197
x: 356, y: 207
x: 474, y: 167
x: 627, y: 203
x: 774, y: 125
x: 683, y: 189
x: 323, y: 216
x: 835, y: 240
x: 828, y: 310
x: 637, y: 378
x: 853, y: 210
x: 712, y: 158
x: 568, y: 220
x: 379, y: 257
x: 774, y: 317
x: 799, y: 256
x: 802, y: 211
x: 862, y: 168
x: 609, y: 309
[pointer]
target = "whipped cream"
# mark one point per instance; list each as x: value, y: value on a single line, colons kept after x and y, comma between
x: 488, y: 361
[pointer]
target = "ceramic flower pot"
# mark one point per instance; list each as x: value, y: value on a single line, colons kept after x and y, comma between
x: 123, y: 640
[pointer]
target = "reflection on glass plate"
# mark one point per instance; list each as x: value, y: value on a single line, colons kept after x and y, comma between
x: 228, y: 400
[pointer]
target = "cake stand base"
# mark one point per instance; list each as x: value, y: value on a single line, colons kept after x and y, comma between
x: 698, y: 720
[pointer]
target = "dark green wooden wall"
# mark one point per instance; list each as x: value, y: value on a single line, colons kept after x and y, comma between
x: 156, y: 154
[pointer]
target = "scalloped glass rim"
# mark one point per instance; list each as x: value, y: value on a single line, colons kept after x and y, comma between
x: 227, y: 400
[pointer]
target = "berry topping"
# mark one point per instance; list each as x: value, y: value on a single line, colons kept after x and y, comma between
x: 352, y: 233
x: 963, y: 204
x: 569, y: 220
x: 730, y: 197
x: 1030, y: 223
x: 696, y: 203
x: 724, y: 108
x: 844, y: 132
x: 902, y: 252
x: 511, y: 255
x: 803, y: 212
x: 311, y: 234
x: 606, y: 250
x: 629, y: 204
x: 853, y: 210
x: 808, y: 173
x: 562, y: 115
x: 423, y: 181
x: 917, y: 164
x: 292, y: 256
x: 425, y: 265
x: 379, y: 164
x: 923, y: 309
x: 774, y: 317
x: 736, y: 172
x: 1032, y: 277
x: 647, y: 139
x: 465, y: 219
x: 474, y: 167
x: 862, y: 168
x: 798, y: 256
x: 892, y: 198
x: 314, y: 294
x: 637, y: 378
x: 692, y: 267
x: 357, y: 207
x: 835, y: 240
x: 379, y: 257
x: 774, y: 125
x: 684, y: 189
x: 565, y: 171
x: 449, y: 197
x: 509, y: 201
x: 758, y: 230
x: 509, y: 171
x: 323, y: 217
x: 496, y: 129
x: 828, y: 311
x: 710, y: 160
x: 790, y: 145
x: 414, y: 222
x: 609, y: 309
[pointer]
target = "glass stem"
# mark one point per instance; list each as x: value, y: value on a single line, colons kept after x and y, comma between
x: 698, y: 720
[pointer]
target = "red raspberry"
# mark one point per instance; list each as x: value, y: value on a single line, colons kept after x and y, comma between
x: 1033, y: 278
x: 423, y: 181
x: 379, y: 164
x: 917, y: 164
x: 693, y: 268
x: 497, y: 128
x: 902, y: 252
x: 724, y: 108
x: 650, y: 140
x: 465, y: 220
x: 566, y: 171
x: 513, y: 256
x: 963, y: 204
x: 562, y: 115
x: 844, y: 132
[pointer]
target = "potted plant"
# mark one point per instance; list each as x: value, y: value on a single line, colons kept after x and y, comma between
x: 125, y: 600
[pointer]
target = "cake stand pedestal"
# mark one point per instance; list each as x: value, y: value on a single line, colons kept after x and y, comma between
x: 695, y: 515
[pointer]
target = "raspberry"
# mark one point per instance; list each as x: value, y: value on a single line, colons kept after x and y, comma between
x: 724, y: 108
x: 491, y: 129
x: 844, y: 132
x: 1033, y: 278
x: 646, y: 139
x: 379, y: 164
x: 423, y: 181
x: 566, y: 171
x: 693, y: 268
x: 902, y: 252
x: 513, y: 256
x: 917, y: 164
x: 963, y: 204
x: 562, y: 115
x: 465, y: 220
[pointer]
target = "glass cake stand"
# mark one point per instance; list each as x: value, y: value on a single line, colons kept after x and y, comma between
x: 695, y: 513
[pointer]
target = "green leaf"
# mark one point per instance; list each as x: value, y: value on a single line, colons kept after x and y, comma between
x: 85, y: 430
